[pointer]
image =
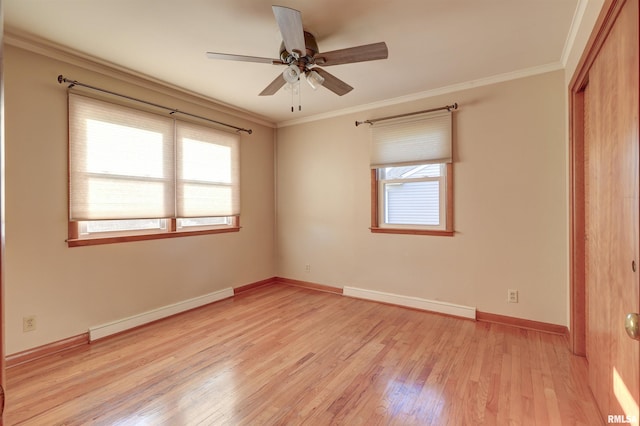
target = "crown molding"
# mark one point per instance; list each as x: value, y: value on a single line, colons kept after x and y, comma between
x: 65, y: 54
x: 62, y: 53
x: 573, y: 31
x: 499, y: 78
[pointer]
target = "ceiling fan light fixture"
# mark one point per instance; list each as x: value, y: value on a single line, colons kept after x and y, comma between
x: 314, y: 79
x: 291, y: 74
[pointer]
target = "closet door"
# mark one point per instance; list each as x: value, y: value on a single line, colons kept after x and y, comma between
x: 612, y: 266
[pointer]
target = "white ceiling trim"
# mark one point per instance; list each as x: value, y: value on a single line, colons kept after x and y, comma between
x: 62, y: 53
x: 555, y: 66
x: 573, y: 31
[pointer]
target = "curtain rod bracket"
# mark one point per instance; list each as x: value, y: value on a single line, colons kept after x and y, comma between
x: 449, y: 108
x: 73, y: 83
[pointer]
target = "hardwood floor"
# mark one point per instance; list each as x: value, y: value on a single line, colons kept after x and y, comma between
x: 289, y: 355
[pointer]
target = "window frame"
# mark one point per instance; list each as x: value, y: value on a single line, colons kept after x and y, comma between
x: 74, y: 239
x: 376, y: 209
x: 168, y: 229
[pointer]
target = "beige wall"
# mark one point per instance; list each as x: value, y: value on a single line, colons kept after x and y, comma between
x: 72, y: 289
x: 510, y: 193
x: 510, y: 205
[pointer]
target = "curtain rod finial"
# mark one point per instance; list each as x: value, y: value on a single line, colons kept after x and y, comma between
x: 60, y: 79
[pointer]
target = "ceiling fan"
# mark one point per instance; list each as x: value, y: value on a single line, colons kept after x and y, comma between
x: 299, y: 52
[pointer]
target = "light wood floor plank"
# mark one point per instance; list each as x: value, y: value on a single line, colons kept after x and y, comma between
x: 289, y: 355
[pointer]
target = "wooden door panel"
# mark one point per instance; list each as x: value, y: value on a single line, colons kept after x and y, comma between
x: 612, y: 217
x: 597, y: 250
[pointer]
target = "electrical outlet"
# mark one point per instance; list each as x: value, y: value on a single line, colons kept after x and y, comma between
x: 512, y: 296
x: 29, y: 323
x: 307, y: 268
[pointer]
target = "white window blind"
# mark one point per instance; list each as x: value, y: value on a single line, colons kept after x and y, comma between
x: 420, y: 139
x: 121, y: 162
x: 130, y: 164
x: 208, y: 182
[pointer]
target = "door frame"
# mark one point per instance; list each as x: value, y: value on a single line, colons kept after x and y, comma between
x: 2, y: 219
x: 577, y: 243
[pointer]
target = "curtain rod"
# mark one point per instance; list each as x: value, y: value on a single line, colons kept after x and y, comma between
x: 72, y: 83
x: 447, y: 107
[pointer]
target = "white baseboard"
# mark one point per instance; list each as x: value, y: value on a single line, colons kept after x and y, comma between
x: 412, y: 302
x: 118, y: 326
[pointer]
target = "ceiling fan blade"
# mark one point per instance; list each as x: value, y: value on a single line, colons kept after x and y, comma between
x: 274, y: 86
x: 290, y: 24
x: 333, y: 83
x: 242, y: 58
x: 368, y: 52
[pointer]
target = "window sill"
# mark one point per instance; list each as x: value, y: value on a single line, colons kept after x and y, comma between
x: 144, y: 237
x: 445, y: 233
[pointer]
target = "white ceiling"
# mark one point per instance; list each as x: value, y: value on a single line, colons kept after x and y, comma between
x: 432, y: 43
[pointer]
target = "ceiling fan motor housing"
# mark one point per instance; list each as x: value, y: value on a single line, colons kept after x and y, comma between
x: 307, y: 58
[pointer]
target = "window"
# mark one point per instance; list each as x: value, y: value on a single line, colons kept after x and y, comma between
x: 138, y: 175
x: 412, y: 175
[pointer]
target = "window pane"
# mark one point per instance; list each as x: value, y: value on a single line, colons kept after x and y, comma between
x: 205, y: 162
x: 204, y: 221
x: 201, y: 199
x: 121, y: 150
x: 408, y: 172
x: 412, y: 203
x: 96, y: 226
x: 121, y: 162
x: 208, y: 178
x: 127, y: 198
